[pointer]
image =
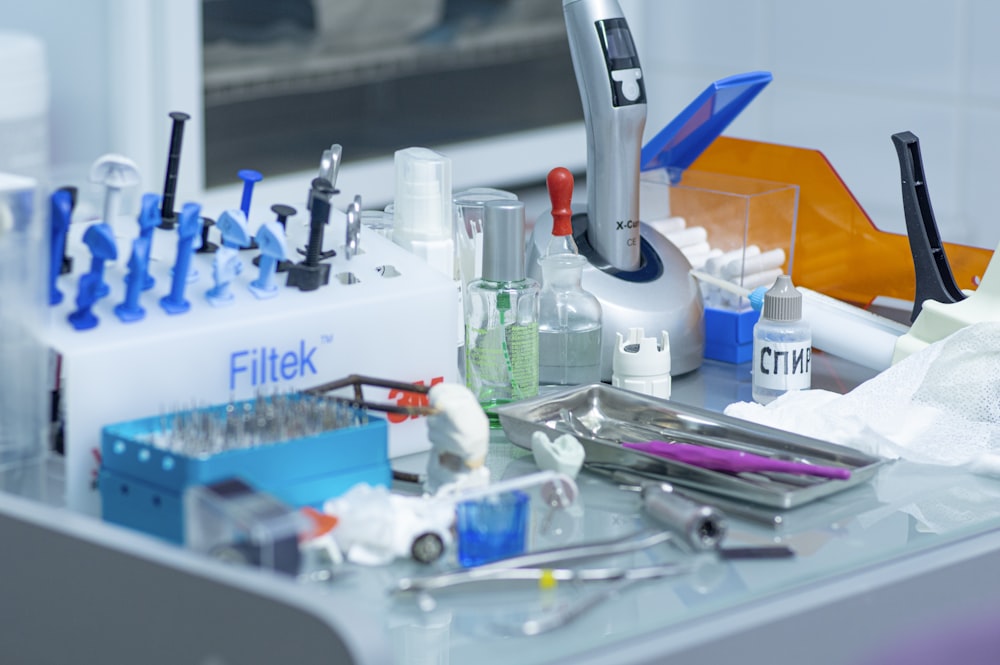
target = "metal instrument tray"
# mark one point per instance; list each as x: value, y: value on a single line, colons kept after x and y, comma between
x: 601, y: 417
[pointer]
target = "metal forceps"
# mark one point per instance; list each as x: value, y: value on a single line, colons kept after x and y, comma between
x: 358, y: 381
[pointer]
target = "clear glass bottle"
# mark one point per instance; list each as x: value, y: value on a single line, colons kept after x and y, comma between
x: 569, y: 324
x: 501, y: 315
x: 782, y: 344
x: 561, y: 244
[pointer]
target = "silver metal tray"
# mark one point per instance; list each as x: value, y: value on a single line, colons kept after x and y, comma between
x: 601, y: 417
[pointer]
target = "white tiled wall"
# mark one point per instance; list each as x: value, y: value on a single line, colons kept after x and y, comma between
x: 848, y: 75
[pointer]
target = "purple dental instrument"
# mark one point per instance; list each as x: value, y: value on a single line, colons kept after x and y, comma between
x: 733, y: 461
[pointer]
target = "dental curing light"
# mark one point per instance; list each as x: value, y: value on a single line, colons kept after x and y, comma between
x: 640, y: 278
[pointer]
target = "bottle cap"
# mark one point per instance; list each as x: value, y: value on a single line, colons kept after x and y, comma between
x: 642, y: 365
x: 782, y: 302
x: 503, y: 241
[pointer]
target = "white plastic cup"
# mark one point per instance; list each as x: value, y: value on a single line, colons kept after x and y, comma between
x: 24, y: 113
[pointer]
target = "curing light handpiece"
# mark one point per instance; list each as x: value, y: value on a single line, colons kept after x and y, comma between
x: 614, y: 109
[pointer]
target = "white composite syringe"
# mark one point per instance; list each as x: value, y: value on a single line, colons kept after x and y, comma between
x: 839, y: 329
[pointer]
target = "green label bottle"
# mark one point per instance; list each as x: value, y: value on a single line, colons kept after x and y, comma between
x: 501, y: 315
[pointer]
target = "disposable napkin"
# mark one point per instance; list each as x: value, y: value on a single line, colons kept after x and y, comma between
x: 938, y: 406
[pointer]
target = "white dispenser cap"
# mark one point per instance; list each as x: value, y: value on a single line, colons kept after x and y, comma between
x: 423, y: 196
x: 641, y: 365
x: 24, y: 76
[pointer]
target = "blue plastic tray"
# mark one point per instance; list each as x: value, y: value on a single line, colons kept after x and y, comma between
x: 142, y: 485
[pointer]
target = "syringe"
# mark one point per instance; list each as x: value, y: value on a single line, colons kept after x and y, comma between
x: 839, y: 329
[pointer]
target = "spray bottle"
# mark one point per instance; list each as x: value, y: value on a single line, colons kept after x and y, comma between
x: 501, y: 315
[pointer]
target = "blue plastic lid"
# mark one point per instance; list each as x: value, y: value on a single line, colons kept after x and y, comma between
x: 686, y: 137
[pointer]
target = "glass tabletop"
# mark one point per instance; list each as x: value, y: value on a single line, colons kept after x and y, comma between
x: 907, y: 508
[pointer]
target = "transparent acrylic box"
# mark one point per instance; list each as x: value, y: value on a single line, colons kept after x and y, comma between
x: 231, y: 521
x: 729, y: 224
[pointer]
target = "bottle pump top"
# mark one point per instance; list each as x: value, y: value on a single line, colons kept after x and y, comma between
x: 782, y: 302
x: 503, y: 241
x: 423, y: 195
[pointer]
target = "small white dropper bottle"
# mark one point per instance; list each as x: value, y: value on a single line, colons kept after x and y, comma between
x: 782, y: 344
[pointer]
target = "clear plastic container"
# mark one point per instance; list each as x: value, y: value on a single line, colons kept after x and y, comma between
x: 231, y: 521
x: 24, y: 131
x: 470, y: 206
x: 569, y: 324
x: 25, y: 394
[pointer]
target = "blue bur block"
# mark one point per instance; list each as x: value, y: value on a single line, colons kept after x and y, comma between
x: 729, y: 334
x: 142, y: 485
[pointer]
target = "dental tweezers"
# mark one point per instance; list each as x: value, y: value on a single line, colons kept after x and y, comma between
x: 563, y: 615
x: 435, y: 582
x: 512, y: 568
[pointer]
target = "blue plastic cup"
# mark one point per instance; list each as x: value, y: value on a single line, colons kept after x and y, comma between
x: 492, y: 528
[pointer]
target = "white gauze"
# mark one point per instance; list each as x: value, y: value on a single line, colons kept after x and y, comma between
x: 939, y: 406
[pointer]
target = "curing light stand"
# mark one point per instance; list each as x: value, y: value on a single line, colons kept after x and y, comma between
x: 640, y: 278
